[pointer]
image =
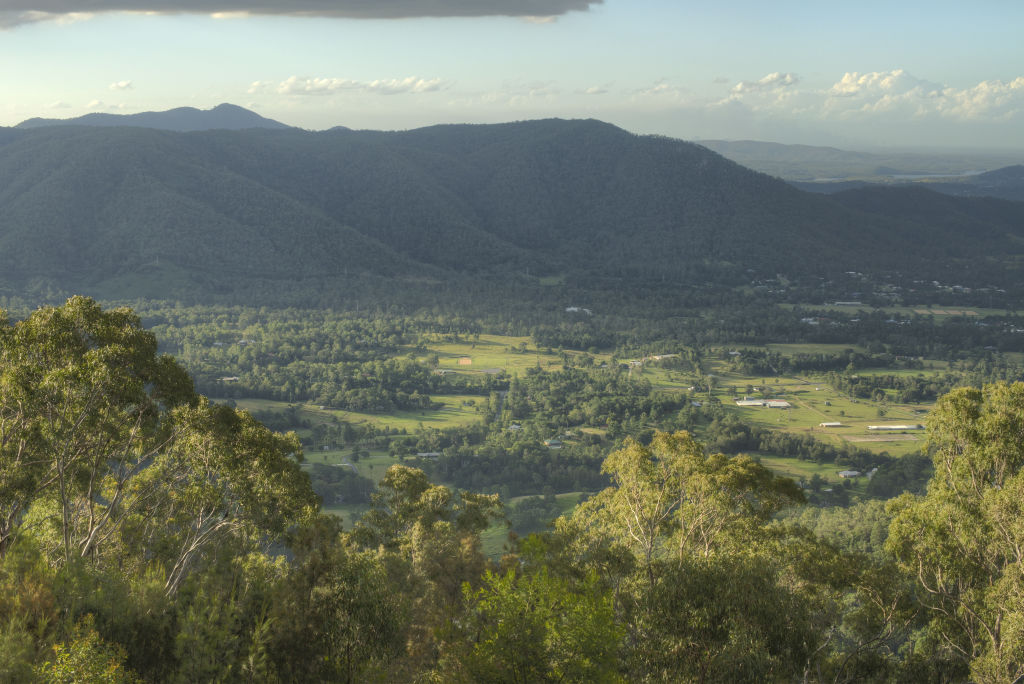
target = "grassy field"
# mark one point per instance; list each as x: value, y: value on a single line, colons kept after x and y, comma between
x: 936, y: 311
x: 458, y: 410
x: 495, y: 537
x: 812, y: 402
x: 497, y: 353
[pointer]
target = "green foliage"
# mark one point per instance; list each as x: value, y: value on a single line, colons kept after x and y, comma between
x: 963, y: 539
x: 86, y: 659
x: 535, y: 628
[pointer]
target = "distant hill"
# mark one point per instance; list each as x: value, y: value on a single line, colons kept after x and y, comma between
x: 828, y: 164
x: 128, y: 211
x: 1006, y: 183
x: 225, y: 116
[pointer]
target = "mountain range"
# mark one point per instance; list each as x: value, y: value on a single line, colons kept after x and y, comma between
x: 224, y: 116
x: 137, y: 211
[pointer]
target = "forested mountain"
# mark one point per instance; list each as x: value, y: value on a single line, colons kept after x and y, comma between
x: 130, y: 210
x: 223, y: 116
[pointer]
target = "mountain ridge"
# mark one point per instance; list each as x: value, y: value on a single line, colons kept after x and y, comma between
x: 183, y: 213
x: 224, y: 116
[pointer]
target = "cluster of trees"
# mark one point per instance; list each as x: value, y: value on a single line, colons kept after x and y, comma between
x: 146, y: 534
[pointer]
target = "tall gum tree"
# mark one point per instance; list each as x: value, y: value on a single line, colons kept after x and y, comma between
x: 106, y: 450
x: 964, y: 540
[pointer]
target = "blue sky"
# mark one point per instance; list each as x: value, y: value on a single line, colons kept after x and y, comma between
x: 857, y: 75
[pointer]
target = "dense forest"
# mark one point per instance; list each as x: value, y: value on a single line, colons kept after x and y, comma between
x: 147, y: 534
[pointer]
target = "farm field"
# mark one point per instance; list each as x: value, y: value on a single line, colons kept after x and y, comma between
x: 497, y: 353
x: 458, y: 410
x: 812, y: 402
x: 937, y: 311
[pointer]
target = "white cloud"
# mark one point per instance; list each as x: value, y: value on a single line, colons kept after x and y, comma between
x: 296, y: 85
x: 95, y: 104
x: 773, y: 81
x: 58, y: 105
x: 898, y: 92
x: 121, y: 85
x: 893, y: 96
x: 661, y: 90
x: 595, y: 90
x: 259, y: 87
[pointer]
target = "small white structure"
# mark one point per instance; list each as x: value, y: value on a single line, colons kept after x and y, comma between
x: 847, y: 474
x: 895, y: 427
x: 764, y: 403
x: 830, y: 425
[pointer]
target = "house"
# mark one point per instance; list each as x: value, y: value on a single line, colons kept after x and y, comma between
x: 552, y: 444
x: 829, y: 425
x: 847, y: 474
x: 777, y: 403
x: 750, y: 402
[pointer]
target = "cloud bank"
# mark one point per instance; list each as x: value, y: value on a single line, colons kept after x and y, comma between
x: 296, y: 85
x: 14, y: 12
x: 881, y: 95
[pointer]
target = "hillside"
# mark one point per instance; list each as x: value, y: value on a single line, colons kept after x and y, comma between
x: 223, y: 116
x: 131, y: 210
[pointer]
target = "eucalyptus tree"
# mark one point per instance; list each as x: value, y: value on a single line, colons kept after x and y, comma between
x: 963, y: 541
x: 107, y: 452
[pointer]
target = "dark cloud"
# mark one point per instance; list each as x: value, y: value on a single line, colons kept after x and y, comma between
x: 13, y: 12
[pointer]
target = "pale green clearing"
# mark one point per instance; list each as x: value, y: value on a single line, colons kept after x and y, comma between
x: 808, y: 348
x: 494, y: 353
x: 495, y: 538
x: 813, y: 402
x: 800, y: 470
x: 920, y: 310
x: 459, y: 410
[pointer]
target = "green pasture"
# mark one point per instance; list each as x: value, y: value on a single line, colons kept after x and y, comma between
x: 495, y: 537
x: 937, y: 311
x: 800, y: 470
x: 456, y: 412
x: 489, y: 353
x: 790, y: 349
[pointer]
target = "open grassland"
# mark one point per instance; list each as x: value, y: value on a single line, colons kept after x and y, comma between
x: 497, y: 353
x: 920, y: 310
x: 808, y: 348
x: 457, y: 410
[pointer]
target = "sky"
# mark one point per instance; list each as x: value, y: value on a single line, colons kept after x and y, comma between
x: 900, y: 74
